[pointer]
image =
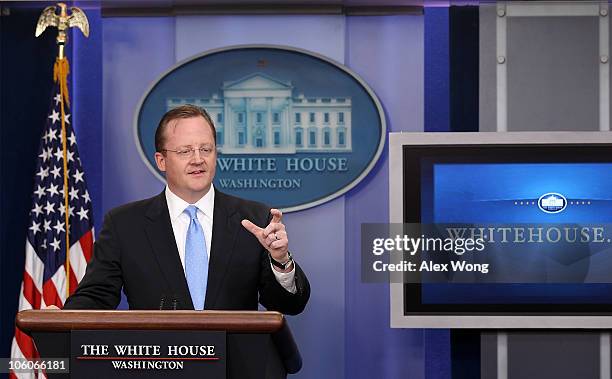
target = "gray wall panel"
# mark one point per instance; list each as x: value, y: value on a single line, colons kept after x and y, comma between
x: 553, y: 73
x: 569, y: 355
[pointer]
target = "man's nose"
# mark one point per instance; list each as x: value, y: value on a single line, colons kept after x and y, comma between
x: 198, y: 157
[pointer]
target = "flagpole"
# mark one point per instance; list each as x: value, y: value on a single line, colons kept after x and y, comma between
x: 61, y: 69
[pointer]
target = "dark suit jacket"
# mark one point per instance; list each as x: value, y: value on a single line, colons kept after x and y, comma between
x: 136, y: 250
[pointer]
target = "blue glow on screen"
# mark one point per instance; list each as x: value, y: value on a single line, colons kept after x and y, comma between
x: 509, y: 193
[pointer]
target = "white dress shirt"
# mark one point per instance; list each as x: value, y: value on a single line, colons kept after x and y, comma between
x: 180, y: 223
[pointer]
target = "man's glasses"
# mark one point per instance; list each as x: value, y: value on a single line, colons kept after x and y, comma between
x: 188, y: 153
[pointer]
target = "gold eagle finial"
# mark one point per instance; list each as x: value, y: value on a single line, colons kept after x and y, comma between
x: 62, y: 22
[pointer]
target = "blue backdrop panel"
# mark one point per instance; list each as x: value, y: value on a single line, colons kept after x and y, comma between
x: 437, y: 70
x: 86, y: 95
x: 388, y: 53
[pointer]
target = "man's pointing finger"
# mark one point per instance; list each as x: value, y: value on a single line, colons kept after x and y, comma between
x: 254, y: 229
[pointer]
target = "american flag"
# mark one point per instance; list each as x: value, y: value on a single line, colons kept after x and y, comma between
x: 44, y: 277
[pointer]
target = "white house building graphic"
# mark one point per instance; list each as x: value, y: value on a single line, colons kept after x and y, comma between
x: 260, y: 114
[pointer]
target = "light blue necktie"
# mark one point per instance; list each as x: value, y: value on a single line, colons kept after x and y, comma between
x: 196, y: 259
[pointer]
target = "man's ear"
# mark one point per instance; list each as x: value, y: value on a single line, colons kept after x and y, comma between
x: 160, y: 160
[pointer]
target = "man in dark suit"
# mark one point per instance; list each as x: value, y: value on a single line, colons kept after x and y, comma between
x: 192, y: 247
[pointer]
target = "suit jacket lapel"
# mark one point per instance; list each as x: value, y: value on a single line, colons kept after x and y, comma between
x: 160, y: 234
x: 226, y: 224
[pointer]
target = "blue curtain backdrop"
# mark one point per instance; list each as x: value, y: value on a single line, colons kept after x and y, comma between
x: 26, y: 74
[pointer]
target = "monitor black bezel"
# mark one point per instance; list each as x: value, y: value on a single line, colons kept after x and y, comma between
x: 490, y: 153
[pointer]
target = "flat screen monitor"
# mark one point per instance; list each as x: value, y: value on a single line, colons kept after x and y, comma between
x: 509, y: 179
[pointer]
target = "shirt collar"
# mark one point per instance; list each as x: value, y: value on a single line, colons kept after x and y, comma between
x: 176, y: 205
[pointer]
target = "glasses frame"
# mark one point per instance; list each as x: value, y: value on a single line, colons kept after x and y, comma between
x: 188, y: 153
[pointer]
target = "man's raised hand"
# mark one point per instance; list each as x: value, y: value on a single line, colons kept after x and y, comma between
x: 273, y: 237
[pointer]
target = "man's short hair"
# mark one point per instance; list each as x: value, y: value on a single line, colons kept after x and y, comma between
x: 182, y: 111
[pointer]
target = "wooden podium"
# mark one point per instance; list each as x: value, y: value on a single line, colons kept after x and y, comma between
x: 259, y: 345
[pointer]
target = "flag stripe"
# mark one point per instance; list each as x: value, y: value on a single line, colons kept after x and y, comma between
x: 16, y: 353
x: 30, y: 292
x: 73, y: 281
x: 87, y: 245
x: 26, y: 344
x: 78, y: 262
x: 59, y: 284
x: 34, y: 266
x: 23, y: 302
x: 50, y: 294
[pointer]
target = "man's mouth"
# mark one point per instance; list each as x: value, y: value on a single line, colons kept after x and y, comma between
x: 196, y: 172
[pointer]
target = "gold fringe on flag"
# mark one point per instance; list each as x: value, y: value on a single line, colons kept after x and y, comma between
x: 61, y: 69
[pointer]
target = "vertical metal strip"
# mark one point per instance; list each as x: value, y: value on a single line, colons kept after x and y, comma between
x: 502, y: 72
x: 502, y: 355
x: 604, y: 355
x: 604, y: 68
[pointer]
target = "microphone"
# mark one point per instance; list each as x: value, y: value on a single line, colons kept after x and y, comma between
x: 174, y: 304
x: 162, y: 302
